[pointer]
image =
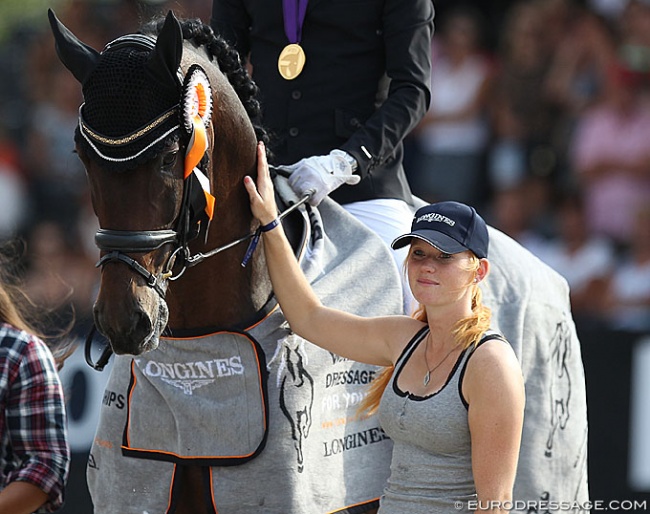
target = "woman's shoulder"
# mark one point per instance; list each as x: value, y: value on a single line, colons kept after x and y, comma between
x: 400, y: 333
x: 493, y: 355
x: 493, y: 374
x: 17, y: 344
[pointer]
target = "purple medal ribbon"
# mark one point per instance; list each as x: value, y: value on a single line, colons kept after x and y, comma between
x: 294, y: 16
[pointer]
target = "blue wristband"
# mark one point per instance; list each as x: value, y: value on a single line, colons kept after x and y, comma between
x: 270, y: 226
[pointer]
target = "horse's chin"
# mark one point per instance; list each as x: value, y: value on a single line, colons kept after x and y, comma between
x: 152, y: 340
x: 159, y: 324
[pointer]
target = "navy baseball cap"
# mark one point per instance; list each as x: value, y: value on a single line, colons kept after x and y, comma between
x: 451, y: 227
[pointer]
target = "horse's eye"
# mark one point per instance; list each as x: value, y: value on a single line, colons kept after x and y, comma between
x: 169, y: 160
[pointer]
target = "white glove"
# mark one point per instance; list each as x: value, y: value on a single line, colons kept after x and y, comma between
x: 322, y: 174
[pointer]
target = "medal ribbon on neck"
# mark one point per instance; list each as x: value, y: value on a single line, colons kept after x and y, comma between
x: 294, y: 16
x: 197, y: 110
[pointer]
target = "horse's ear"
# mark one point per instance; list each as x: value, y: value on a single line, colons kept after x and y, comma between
x: 78, y: 57
x: 166, y: 57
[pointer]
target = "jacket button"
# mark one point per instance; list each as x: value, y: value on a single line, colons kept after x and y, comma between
x: 355, y: 122
x: 294, y: 131
x: 296, y: 94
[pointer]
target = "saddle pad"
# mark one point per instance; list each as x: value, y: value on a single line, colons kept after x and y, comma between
x: 189, y: 388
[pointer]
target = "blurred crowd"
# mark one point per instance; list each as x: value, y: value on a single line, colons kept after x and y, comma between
x: 539, y: 118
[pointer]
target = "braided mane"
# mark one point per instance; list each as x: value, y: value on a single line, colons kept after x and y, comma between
x: 229, y: 64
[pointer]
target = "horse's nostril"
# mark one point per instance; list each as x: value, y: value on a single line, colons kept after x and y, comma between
x: 127, y: 330
x: 142, y: 325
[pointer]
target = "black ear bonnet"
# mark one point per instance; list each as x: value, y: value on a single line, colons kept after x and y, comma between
x: 132, y: 93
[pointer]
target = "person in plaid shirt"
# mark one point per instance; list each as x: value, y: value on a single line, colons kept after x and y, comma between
x: 34, y: 450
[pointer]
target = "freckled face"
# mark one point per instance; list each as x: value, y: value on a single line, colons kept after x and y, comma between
x: 435, y: 277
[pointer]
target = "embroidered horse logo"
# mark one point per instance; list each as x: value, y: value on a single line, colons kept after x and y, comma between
x: 296, y: 389
x: 560, y: 382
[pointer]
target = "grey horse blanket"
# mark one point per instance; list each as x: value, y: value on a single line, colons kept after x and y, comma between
x: 286, y: 412
x: 530, y: 306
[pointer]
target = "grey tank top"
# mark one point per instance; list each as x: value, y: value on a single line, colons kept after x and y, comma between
x: 431, y: 466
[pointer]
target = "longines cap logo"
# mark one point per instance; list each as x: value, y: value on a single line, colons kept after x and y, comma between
x: 435, y: 217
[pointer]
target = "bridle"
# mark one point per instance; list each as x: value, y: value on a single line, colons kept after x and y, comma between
x: 119, y: 243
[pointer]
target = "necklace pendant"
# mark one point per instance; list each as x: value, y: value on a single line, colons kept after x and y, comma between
x: 427, y: 378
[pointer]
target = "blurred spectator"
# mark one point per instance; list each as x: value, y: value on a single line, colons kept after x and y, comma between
x: 628, y: 296
x: 609, y: 9
x: 512, y: 211
x: 452, y: 136
x: 585, y: 261
x: 635, y: 35
x: 577, y: 78
x: 522, y: 117
x: 578, y: 73
x: 13, y: 190
x: 58, y: 276
x: 57, y: 177
x: 611, y: 156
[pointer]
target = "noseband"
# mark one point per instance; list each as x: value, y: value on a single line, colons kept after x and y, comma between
x: 118, y: 243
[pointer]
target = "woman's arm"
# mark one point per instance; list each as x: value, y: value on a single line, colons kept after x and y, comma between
x: 494, y: 388
x: 371, y: 340
x: 21, y: 498
x: 36, y: 425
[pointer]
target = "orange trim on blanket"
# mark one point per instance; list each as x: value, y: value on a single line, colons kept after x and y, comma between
x: 353, y: 505
x: 171, y: 490
x: 224, y: 331
x: 212, y: 498
x: 128, y: 419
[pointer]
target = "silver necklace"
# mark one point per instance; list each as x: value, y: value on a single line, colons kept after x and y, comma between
x: 427, y: 375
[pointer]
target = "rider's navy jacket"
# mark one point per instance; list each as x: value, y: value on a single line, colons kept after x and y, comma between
x: 364, y: 86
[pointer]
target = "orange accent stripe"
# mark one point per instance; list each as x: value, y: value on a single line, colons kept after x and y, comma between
x: 223, y: 331
x: 171, y: 490
x: 128, y: 419
x: 197, y: 147
x: 214, y: 500
x: 209, y: 204
x: 353, y: 505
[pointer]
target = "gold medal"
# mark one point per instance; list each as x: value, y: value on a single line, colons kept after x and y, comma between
x: 291, y: 61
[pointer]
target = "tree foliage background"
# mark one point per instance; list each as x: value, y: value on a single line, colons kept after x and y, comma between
x: 15, y: 13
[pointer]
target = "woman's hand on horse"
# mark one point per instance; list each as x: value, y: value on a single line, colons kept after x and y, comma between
x: 262, y: 197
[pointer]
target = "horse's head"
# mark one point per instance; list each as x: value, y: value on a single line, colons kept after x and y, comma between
x: 146, y: 135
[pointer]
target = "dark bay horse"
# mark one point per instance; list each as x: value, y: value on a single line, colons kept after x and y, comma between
x: 213, y: 405
x: 167, y: 132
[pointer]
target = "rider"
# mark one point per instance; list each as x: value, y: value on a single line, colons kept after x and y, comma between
x: 342, y: 84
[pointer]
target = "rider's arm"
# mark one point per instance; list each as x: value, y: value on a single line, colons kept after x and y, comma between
x: 362, y: 339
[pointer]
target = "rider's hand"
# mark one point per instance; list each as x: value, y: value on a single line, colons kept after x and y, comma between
x: 262, y: 197
x: 322, y: 174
